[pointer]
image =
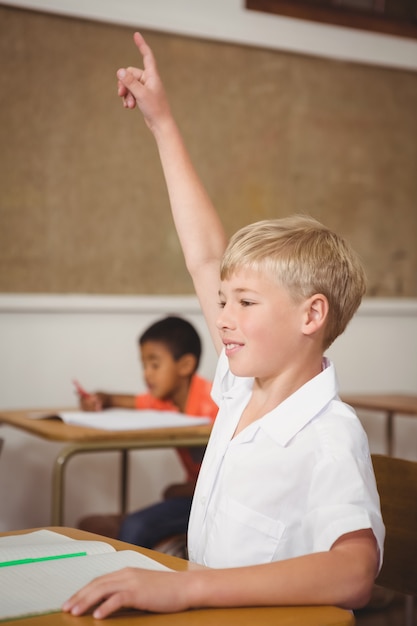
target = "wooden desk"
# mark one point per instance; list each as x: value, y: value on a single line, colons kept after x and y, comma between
x: 79, y: 440
x: 390, y: 405
x: 267, y: 616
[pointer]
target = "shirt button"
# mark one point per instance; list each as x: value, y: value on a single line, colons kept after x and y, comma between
x: 203, y: 500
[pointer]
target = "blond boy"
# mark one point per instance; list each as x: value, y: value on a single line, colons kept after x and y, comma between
x: 286, y: 510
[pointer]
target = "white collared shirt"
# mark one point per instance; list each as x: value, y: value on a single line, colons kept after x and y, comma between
x: 289, y: 484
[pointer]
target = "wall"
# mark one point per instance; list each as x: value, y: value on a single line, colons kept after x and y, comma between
x: 83, y: 202
x: 45, y: 341
x: 228, y: 20
x: 81, y: 192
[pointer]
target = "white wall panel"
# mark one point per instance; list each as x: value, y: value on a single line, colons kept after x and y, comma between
x: 45, y: 341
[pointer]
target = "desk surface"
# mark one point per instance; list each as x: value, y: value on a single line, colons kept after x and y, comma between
x: 284, y: 616
x: 404, y: 404
x: 56, y: 430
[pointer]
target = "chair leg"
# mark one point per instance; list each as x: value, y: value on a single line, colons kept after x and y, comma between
x: 409, y: 611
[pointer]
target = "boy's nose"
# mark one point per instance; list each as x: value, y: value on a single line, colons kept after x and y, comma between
x: 224, y: 319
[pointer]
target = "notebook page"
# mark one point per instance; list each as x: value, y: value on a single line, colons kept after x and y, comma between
x: 131, y: 419
x: 36, y: 536
x: 46, y: 543
x: 34, y: 551
x: 43, y: 587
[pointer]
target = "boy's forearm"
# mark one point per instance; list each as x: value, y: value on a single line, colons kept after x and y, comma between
x: 198, y: 225
x: 200, y: 231
x: 320, y: 579
x: 116, y: 400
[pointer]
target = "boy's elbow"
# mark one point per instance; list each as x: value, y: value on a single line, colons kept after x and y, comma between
x: 360, y: 567
x: 360, y: 596
x: 359, y: 587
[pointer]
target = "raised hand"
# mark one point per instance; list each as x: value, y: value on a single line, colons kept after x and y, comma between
x: 143, y: 87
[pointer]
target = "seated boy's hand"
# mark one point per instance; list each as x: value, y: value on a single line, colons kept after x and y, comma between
x: 161, y: 592
x: 95, y: 401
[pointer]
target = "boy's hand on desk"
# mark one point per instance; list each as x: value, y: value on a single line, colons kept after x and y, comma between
x: 95, y: 401
x: 161, y: 592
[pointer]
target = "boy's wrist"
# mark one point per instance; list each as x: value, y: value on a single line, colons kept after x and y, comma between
x: 106, y: 400
x: 193, y: 590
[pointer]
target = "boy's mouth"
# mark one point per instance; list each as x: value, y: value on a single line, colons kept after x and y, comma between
x: 232, y: 347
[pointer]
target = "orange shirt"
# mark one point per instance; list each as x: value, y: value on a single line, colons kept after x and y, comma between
x: 200, y: 404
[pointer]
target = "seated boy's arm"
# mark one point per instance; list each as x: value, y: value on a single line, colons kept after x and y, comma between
x: 343, y: 576
x: 101, y: 400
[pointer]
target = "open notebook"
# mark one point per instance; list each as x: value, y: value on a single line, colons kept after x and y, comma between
x: 42, y: 569
x: 125, y: 419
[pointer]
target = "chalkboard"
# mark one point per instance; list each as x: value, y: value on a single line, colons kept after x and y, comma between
x: 83, y: 204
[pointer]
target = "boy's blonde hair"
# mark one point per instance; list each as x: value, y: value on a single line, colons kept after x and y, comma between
x: 306, y: 258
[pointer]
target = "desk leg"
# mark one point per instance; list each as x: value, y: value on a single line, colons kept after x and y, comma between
x: 58, y: 483
x: 409, y: 610
x: 124, y: 477
x: 58, y: 487
x: 390, y: 432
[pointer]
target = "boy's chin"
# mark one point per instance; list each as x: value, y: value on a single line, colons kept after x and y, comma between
x: 240, y: 370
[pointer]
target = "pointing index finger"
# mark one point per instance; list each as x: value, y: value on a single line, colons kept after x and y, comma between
x: 146, y: 52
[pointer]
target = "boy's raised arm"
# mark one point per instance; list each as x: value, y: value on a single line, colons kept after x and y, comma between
x: 198, y: 226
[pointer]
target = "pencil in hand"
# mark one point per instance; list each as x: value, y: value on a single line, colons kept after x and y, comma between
x: 80, y: 390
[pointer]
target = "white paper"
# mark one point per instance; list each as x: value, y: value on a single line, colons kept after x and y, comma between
x: 128, y: 419
x: 42, y: 587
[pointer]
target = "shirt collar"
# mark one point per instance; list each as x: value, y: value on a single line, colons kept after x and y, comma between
x: 289, y: 417
x: 292, y: 415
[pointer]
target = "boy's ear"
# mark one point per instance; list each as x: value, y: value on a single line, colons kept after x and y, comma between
x: 317, y: 308
x: 187, y: 364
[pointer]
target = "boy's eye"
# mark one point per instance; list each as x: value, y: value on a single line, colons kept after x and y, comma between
x: 246, y: 303
x: 222, y: 305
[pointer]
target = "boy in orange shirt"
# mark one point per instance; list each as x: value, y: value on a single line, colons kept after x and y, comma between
x: 170, y: 351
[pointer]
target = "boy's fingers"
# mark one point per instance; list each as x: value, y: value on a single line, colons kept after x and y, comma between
x: 147, y: 54
x: 136, y: 72
x: 130, y: 101
x: 129, y: 87
x: 121, y: 89
x: 90, y: 595
x: 128, y: 79
x: 107, y: 593
x: 109, y: 605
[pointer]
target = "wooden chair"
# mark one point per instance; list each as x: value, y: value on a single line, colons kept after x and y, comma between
x: 397, y: 486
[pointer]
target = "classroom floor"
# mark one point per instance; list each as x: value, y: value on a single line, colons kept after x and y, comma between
x: 391, y: 615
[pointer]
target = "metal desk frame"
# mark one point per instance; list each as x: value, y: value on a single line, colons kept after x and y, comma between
x: 81, y: 440
x: 59, y: 468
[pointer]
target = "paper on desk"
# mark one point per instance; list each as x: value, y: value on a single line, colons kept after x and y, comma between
x: 42, y: 587
x: 45, y: 543
x: 128, y: 419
